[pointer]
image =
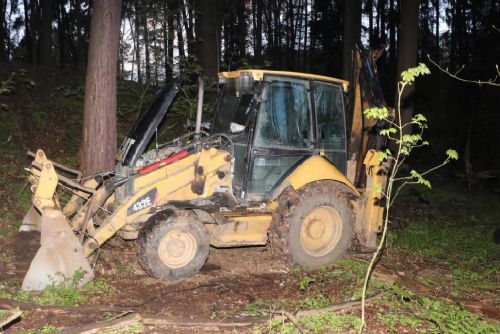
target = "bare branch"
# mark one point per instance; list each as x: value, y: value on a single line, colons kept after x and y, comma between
x: 490, y: 82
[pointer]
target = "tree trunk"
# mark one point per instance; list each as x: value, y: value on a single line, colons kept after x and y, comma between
x: 352, y: 34
x: 187, y: 15
x: 206, y: 34
x: 46, y: 55
x: 62, y: 34
x: 407, y: 54
x: 436, y: 8
x: 99, y: 118
x: 165, y: 39
x: 146, y: 44
x: 171, y: 37
x: 33, y: 32
x: 180, y: 37
x: 27, y: 28
x: 3, y: 31
x: 137, y: 29
x: 369, y: 11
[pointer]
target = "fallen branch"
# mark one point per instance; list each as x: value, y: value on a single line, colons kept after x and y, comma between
x: 157, y: 321
x: 340, y: 307
x: 108, y: 326
x: 8, y: 304
x: 387, y: 275
x: 294, y: 321
x: 10, y: 316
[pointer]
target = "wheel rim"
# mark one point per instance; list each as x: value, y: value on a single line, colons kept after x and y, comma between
x: 177, y: 248
x: 321, y: 231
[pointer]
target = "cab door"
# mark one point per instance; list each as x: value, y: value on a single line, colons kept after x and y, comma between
x: 283, y: 134
x: 330, y: 123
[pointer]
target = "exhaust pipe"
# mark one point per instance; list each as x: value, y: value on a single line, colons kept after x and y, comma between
x: 199, y: 110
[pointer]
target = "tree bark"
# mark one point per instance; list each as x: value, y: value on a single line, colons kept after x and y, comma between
x: 369, y: 11
x: 206, y: 34
x: 137, y: 40
x: 99, y: 119
x: 171, y: 37
x: 146, y: 43
x: 436, y: 8
x: 180, y: 38
x: 407, y: 54
x: 352, y: 34
x: 3, y: 31
x: 46, y: 55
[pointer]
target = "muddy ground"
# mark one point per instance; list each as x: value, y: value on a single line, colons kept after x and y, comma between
x: 235, y: 285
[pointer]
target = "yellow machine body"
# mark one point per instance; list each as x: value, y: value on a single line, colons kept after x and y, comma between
x: 96, y: 211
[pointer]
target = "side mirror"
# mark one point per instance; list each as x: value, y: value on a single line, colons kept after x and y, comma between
x: 261, y: 90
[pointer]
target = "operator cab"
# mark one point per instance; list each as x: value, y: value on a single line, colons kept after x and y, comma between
x: 277, y: 120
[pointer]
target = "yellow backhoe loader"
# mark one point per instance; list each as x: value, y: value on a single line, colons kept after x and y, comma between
x: 288, y: 159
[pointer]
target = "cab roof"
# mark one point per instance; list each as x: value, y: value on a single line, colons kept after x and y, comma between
x: 259, y: 75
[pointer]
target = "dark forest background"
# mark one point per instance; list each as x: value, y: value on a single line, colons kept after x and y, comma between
x: 162, y: 39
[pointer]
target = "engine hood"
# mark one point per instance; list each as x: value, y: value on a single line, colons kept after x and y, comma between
x: 134, y: 145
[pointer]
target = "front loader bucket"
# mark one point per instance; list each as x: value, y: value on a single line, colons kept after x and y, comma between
x: 60, y: 255
x: 31, y: 221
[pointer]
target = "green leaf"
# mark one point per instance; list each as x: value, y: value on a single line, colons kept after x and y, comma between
x: 386, y: 132
x: 452, y: 154
x: 420, y: 179
x: 409, y: 76
x: 375, y: 112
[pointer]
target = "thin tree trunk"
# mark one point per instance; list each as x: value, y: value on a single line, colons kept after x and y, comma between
x: 99, y: 118
x: 3, y: 31
x: 180, y: 37
x: 206, y: 34
x: 33, y: 32
x: 407, y: 54
x: 156, y: 57
x: 146, y: 43
x: 171, y: 37
x: 369, y: 8
x: 436, y: 8
x: 62, y: 33
x: 352, y: 34
x: 46, y: 43
x: 165, y: 39
x: 187, y: 15
x: 137, y: 28
x: 27, y: 27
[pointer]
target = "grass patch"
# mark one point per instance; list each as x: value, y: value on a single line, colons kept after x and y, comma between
x: 455, y: 228
x: 67, y: 292
x: 44, y: 329
x: 261, y: 307
x: 427, y: 315
x: 327, y: 322
x: 314, y: 302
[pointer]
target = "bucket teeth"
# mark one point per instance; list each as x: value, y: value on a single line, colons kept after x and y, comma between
x: 60, y: 256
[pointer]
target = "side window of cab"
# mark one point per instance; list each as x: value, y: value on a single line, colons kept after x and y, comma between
x: 331, y: 130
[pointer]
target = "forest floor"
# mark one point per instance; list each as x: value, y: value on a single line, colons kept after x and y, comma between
x: 439, y: 273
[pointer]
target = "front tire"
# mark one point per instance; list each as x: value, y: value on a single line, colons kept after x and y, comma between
x: 173, y: 245
x: 314, y: 225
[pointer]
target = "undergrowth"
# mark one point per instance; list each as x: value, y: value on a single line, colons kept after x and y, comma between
x: 65, y: 293
x: 454, y: 229
x: 426, y: 315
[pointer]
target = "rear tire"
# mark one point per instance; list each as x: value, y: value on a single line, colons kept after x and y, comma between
x: 314, y: 225
x: 173, y: 245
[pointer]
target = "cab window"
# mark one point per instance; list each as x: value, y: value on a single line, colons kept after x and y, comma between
x: 285, y: 118
x: 329, y: 106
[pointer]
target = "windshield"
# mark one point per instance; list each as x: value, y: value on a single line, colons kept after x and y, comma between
x: 232, y: 110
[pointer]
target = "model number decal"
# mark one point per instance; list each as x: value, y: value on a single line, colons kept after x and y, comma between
x: 142, y: 202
